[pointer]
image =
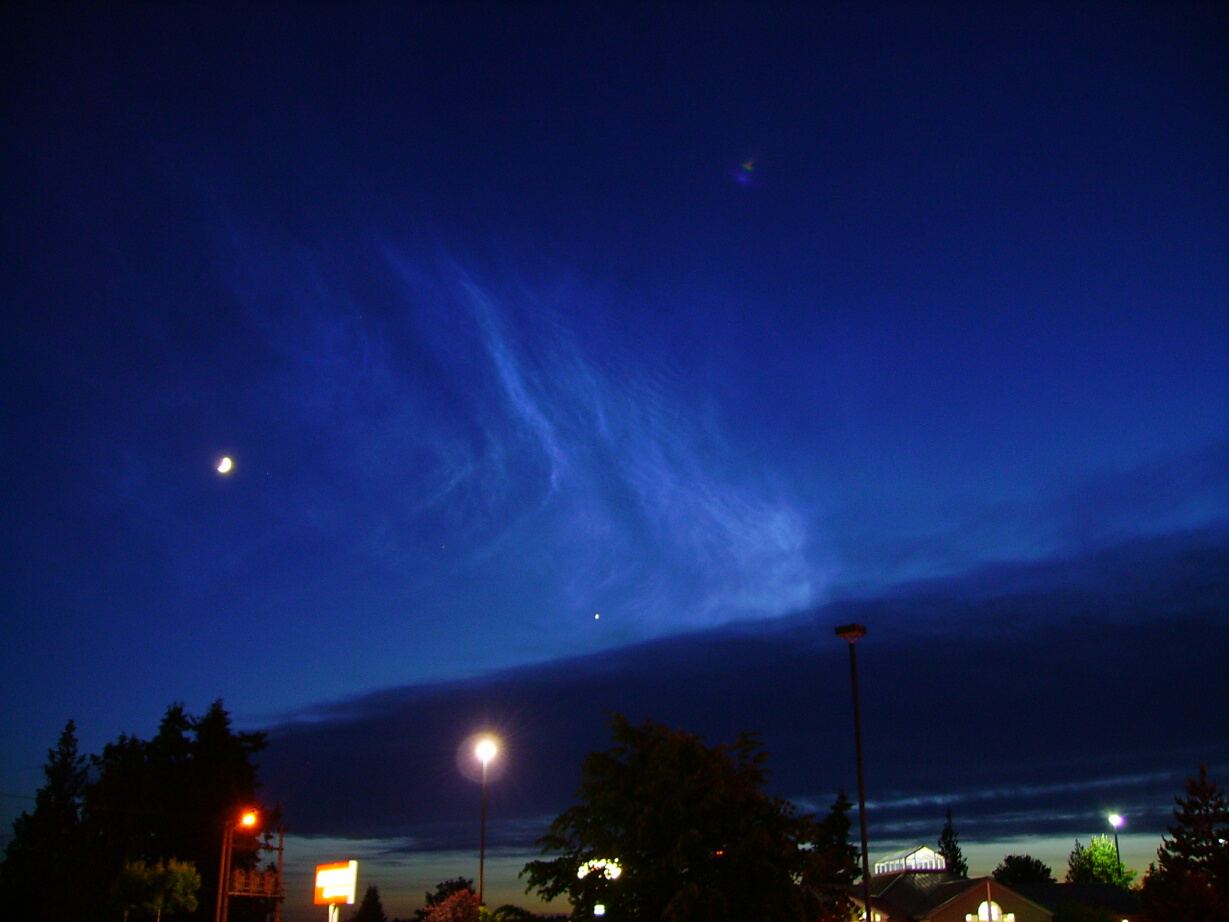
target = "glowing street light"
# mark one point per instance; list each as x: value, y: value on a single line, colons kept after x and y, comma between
x: 1116, y: 821
x: 246, y: 823
x: 485, y: 751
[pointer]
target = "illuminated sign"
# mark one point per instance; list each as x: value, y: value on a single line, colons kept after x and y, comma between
x: 336, y: 883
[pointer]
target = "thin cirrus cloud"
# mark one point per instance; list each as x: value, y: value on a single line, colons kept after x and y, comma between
x: 474, y: 419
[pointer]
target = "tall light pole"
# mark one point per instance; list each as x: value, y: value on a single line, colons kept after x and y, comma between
x: 1116, y: 821
x: 485, y: 751
x: 852, y: 632
x: 246, y: 822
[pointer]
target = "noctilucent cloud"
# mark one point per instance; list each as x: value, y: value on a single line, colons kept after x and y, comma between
x: 356, y: 347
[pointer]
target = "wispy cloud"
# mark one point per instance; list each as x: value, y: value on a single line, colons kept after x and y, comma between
x: 607, y: 468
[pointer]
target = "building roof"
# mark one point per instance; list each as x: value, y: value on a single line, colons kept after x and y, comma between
x: 1117, y: 900
x: 911, y: 893
x: 919, y: 894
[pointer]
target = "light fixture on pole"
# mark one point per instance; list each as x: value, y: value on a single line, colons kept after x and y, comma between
x: 852, y: 632
x: 485, y: 751
x: 1116, y: 821
x: 246, y: 823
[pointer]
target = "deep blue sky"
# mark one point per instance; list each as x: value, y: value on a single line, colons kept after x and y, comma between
x: 513, y: 314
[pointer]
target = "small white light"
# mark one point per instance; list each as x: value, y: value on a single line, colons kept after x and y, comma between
x: 599, y: 910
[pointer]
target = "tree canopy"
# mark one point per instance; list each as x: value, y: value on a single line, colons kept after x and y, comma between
x: 139, y: 801
x: 1097, y: 863
x: 1190, y: 878
x: 1022, y: 869
x: 163, y: 886
x: 949, y: 848
x: 443, y: 890
x: 460, y: 906
x: 667, y: 828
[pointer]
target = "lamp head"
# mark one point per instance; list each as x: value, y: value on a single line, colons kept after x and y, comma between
x: 485, y: 750
x: 851, y: 632
x: 248, y: 819
x: 1115, y: 820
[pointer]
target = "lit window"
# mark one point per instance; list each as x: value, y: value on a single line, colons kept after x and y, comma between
x: 990, y: 912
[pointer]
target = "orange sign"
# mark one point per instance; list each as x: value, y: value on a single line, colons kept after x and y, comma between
x: 336, y: 883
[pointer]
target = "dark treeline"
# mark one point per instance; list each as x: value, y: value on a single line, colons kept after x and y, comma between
x: 139, y: 800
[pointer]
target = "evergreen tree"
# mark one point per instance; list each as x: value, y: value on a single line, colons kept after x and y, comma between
x: 168, y: 798
x: 1097, y: 864
x: 370, y: 909
x: 949, y: 848
x: 1190, y: 878
x: 45, y: 856
x: 219, y: 780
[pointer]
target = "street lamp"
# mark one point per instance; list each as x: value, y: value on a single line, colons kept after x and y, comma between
x: 245, y: 823
x: 485, y: 751
x: 1116, y: 821
x: 852, y: 632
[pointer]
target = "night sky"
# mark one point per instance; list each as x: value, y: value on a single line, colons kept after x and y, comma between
x: 726, y: 323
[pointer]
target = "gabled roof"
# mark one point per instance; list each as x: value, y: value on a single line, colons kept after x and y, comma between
x: 911, y: 893
x: 988, y: 885
x: 919, y: 894
x: 1103, y: 896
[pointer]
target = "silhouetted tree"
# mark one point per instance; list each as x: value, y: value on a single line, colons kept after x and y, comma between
x: 370, y: 909
x: 1190, y: 878
x: 510, y: 913
x: 1022, y: 869
x: 949, y: 848
x: 1097, y: 864
x: 443, y: 890
x: 461, y: 906
x: 46, y: 854
x: 168, y: 798
x: 695, y: 837
x: 1078, y: 912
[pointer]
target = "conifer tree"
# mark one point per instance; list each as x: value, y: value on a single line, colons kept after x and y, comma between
x: 168, y: 798
x: 949, y: 848
x: 43, y: 858
x: 1190, y: 878
x: 370, y: 908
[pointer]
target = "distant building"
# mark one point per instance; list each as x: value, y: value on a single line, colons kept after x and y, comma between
x: 941, y: 896
x: 915, y: 886
x: 920, y: 858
